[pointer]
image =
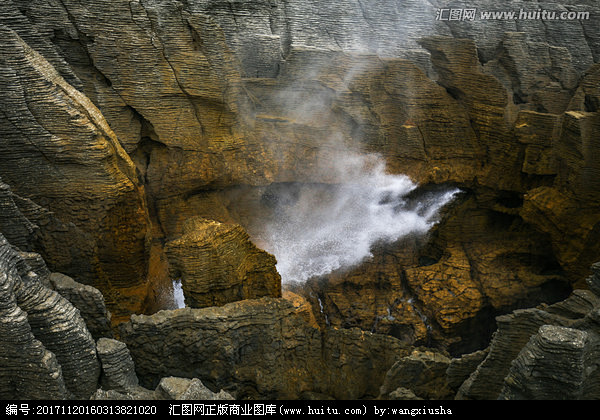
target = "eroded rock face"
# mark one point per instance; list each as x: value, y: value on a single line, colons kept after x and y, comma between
x: 264, y: 348
x: 194, y: 101
x: 424, y: 373
x: 59, y: 151
x: 570, y: 373
x: 88, y: 300
x: 47, y: 351
x: 118, y: 370
x: 540, y: 353
x: 187, y: 389
x: 218, y: 264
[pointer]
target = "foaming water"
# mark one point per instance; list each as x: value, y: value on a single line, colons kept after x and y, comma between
x: 321, y: 228
x: 178, y: 294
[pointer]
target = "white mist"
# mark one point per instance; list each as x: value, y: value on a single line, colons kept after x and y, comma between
x: 178, y: 294
x: 321, y: 228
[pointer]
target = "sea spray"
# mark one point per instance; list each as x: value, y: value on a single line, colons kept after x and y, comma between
x: 178, y: 297
x: 319, y: 228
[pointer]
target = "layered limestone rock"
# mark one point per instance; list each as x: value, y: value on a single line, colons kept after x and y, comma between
x: 514, y: 331
x: 187, y: 389
x: 557, y: 363
x: 88, y: 300
x: 424, y: 373
x: 59, y: 152
x: 14, y: 225
x: 47, y: 351
x: 447, y: 285
x: 528, y: 189
x: 118, y: 370
x: 539, y: 353
x: 460, y: 368
x: 211, y: 102
x: 120, y: 382
x: 264, y: 348
x: 217, y: 263
x: 170, y: 388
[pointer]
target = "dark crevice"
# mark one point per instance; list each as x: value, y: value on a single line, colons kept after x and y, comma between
x: 519, y: 98
x: 455, y: 93
x: 591, y: 103
x: 510, y: 199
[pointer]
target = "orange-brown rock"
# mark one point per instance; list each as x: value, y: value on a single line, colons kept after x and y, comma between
x: 371, y: 296
x: 217, y: 264
x: 571, y: 224
x: 59, y: 151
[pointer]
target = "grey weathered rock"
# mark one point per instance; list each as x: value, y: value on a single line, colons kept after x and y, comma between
x: 88, y: 300
x: 557, y: 363
x: 37, y: 265
x: 576, y: 306
x: 423, y: 372
x: 514, y: 331
x: 262, y: 348
x: 403, y: 394
x: 538, y: 74
x: 118, y: 370
x: 47, y: 351
x: 594, y: 280
x: 462, y: 367
x: 15, y: 227
x: 172, y: 388
x: 135, y: 393
x: 19, y: 347
x: 543, y: 353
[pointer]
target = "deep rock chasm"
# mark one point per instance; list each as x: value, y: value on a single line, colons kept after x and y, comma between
x: 299, y: 200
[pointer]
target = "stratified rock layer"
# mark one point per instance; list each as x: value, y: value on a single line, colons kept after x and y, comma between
x: 118, y: 370
x: 187, y: 389
x: 557, y: 363
x: 59, y: 151
x: 205, y: 99
x: 540, y: 353
x: 217, y: 264
x: 88, y: 300
x: 47, y: 351
x: 424, y: 373
x: 264, y: 348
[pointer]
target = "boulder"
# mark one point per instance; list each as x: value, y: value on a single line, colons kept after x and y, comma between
x: 88, y: 300
x: 118, y: 370
x: 217, y: 264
